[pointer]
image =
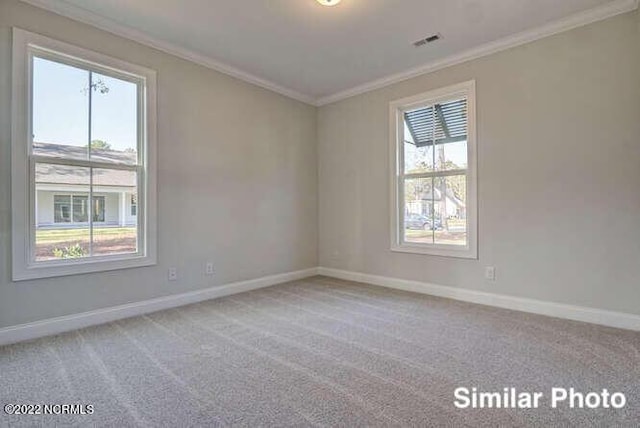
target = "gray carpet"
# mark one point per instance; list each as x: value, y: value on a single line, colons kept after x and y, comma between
x: 320, y: 352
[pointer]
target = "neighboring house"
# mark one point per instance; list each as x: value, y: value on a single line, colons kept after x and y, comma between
x: 455, y: 208
x: 62, y: 192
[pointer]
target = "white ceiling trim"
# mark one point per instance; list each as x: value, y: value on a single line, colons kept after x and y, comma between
x: 599, y: 13
x: 82, y: 15
x: 605, y: 11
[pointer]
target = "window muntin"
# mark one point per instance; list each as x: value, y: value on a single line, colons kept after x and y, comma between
x: 433, y: 185
x: 89, y: 166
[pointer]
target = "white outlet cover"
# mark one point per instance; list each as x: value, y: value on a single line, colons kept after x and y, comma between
x: 209, y: 269
x: 172, y: 274
x: 490, y: 273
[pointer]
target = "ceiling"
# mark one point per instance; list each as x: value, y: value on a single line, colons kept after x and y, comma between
x: 316, y: 53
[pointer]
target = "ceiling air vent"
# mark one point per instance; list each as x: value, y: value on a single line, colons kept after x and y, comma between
x: 430, y: 39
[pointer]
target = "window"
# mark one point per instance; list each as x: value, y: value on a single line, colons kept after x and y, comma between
x: 62, y: 209
x: 83, y: 140
x: 433, y: 168
x: 80, y: 208
x: 98, y: 209
x: 134, y: 205
x: 67, y: 207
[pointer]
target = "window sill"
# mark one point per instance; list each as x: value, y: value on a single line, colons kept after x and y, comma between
x: 437, y: 250
x: 49, y: 269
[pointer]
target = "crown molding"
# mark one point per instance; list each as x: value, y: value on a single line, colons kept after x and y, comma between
x: 613, y: 8
x: 599, y: 13
x: 95, y: 20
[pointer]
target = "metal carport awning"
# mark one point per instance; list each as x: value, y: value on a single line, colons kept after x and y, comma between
x: 438, y: 123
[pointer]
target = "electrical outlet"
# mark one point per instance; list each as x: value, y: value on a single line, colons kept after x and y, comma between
x: 208, y: 269
x: 172, y: 274
x: 490, y: 273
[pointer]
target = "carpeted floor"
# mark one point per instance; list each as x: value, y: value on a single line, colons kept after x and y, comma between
x: 321, y: 352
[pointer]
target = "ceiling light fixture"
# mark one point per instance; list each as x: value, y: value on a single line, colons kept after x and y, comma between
x: 328, y: 2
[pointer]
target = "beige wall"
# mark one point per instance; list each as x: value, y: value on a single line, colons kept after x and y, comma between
x: 237, y: 180
x: 559, y: 169
x: 559, y: 150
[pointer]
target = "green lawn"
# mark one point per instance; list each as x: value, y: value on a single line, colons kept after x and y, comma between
x: 49, y: 236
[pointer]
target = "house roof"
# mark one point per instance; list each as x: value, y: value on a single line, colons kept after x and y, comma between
x: 50, y: 173
x: 440, y: 123
x: 80, y: 152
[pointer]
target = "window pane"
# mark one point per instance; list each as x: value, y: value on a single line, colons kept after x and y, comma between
x: 416, y: 159
x: 134, y: 205
x: 98, y: 209
x: 61, y: 209
x: 58, y: 234
x: 417, y: 212
x: 450, y: 210
x: 80, y: 208
x: 441, y: 125
x: 115, y: 228
x: 114, y: 119
x: 451, y: 156
x: 60, y: 109
x: 451, y: 139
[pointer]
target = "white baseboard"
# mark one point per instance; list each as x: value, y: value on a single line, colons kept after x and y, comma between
x: 559, y: 310
x: 34, y: 330
x: 57, y: 325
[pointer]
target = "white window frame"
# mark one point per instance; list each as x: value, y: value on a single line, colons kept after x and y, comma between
x: 23, y: 195
x: 397, y: 109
